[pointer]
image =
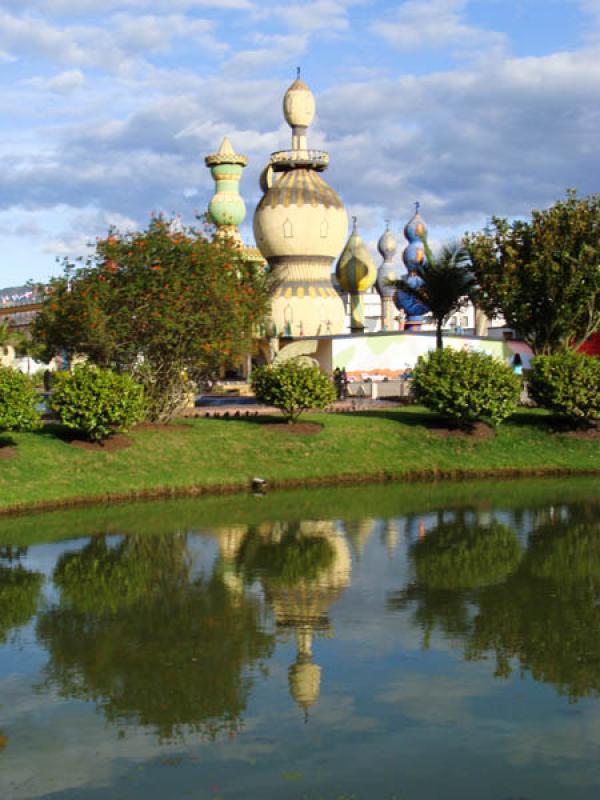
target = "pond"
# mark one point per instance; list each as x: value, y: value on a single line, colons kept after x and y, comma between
x: 404, y: 641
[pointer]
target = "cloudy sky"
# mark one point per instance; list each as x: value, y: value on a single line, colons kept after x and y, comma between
x: 109, y: 107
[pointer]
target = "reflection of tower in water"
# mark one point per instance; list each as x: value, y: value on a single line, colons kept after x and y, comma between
x: 299, y: 595
x: 358, y: 532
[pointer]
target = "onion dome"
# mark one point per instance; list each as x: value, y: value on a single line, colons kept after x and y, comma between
x: 415, y: 254
x: 356, y: 273
x: 387, y: 244
x: 355, y: 269
x: 413, y: 308
x: 227, y: 208
x: 415, y: 258
x: 388, y: 271
x: 298, y: 104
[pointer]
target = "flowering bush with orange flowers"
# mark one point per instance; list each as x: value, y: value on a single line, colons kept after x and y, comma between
x: 168, y: 308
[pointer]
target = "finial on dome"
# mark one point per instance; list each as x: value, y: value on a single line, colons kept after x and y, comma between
x: 299, y: 109
x: 225, y: 155
x: 354, y: 224
x: 417, y: 206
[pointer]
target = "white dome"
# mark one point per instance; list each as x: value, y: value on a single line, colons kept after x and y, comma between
x: 299, y: 105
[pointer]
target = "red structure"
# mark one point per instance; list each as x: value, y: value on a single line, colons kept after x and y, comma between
x: 591, y: 347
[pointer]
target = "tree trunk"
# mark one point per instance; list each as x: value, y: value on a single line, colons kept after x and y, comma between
x: 438, y: 335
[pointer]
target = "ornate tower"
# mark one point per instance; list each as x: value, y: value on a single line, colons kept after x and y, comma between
x: 356, y: 273
x: 388, y: 271
x: 415, y: 258
x: 300, y: 225
x: 227, y: 209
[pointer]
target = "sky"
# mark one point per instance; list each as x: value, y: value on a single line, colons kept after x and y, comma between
x: 108, y: 107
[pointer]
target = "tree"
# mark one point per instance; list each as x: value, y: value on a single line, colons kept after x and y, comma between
x: 543, y: 275
x: 446, y: 283
x: 168, y: 307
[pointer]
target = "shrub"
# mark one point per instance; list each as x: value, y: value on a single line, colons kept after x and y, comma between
x: 18, y: 401
x: 293, y: 387
x: 567, y: 383
x: 97, y: 402
x: 466, y: 386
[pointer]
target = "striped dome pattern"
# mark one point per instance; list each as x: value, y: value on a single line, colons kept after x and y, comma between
x: 300, y: 187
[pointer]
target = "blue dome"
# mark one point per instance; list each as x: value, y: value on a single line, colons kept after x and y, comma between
x: 412, y: 307
x: 414, y: 255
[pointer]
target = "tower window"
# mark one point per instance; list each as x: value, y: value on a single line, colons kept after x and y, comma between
x: 288, y: 231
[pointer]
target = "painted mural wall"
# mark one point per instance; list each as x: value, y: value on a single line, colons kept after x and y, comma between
x: 390, y: 356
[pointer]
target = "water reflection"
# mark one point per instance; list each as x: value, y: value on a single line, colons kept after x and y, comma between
x: 205, y: 650
x: 536, y: 609
x: 302, y: 568
x: 20, y: 591
x: 150, y: 645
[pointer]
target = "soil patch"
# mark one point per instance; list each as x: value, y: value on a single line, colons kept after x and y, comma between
x: 117, y: 442
x: 7, y: 451
x: 478, y: 430
x: 172, y: 427
x: 295, y: 427
x: 589, y: 434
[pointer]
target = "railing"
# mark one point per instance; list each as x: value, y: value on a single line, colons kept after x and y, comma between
x: 316, y: 158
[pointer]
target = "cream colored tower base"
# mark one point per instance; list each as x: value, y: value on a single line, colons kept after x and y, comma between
x: 305, y: 302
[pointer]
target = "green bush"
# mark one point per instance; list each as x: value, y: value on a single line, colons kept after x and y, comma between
x: 567, y: 383
x: 293, y: 387
x: 18, y: 401
x: 97, y: 402
x: 466, y: 386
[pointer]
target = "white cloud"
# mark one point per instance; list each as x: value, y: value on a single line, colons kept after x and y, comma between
x: 328, y: 16
x: 435, y: 24
x: 63, y: 83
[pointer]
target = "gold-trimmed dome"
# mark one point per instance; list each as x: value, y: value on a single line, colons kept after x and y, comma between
x: 300, y: 187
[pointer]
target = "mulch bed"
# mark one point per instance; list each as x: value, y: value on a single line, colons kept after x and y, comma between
x: 171, y: 427
x: 477, y: 431
x: 110, y: 445
x: 587, y: 434
x: 296, y: 427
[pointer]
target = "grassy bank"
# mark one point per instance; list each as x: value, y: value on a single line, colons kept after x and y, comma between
x: 220, y: 453
x: 347, y: 503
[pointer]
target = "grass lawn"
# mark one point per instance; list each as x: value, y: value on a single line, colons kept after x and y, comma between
x: 397, y: 443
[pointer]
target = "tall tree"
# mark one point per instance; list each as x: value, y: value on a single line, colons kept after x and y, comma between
x: 446, y: 285
x: 169, y: 307
x: 543, y: 275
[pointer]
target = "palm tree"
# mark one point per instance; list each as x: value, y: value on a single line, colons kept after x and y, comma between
x: 446, y: 283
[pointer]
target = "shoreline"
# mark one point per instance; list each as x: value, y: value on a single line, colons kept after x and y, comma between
x: 206, y: 490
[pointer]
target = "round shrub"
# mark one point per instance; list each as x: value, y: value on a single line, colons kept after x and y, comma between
x: 97, y: 402
x: 567, y: 383
x: 18, y: 401
x: 293, y: 387
x: 466, y: 386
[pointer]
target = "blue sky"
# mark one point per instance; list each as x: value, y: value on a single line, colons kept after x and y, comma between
x: 108, y: 108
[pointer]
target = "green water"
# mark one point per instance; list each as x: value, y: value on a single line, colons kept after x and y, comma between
x: 372, y: 642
